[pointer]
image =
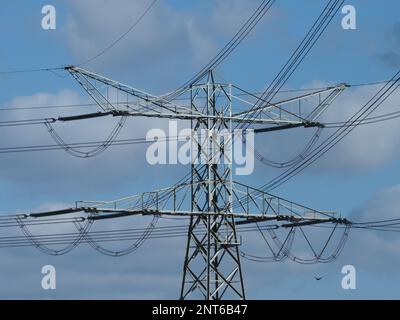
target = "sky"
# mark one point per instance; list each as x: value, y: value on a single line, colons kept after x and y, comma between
x: 359, y: 178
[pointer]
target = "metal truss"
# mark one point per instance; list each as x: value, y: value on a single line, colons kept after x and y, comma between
x: 248, y: 205
x: 129, y: 101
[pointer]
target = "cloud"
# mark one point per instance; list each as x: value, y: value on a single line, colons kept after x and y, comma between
x: 154, y: 271
x: 86, y: 274
x: 163, y: 50
x: 228, y: 15
x: 371, y: 249
x: 52, y: 173
x: 165, y: 44
x: 367, y: 147
x: 391, y: 57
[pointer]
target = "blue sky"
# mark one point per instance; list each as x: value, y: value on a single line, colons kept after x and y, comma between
x: 358, y: 178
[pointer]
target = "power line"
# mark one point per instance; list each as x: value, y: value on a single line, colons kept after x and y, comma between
x: 381, y: 96
x: 143, y: 140
x: 297, y: 56
x: 368, y: 120
x: 31, y: 70
x: 62, y: 106
x: 243, y: 94
x: 227, y: 49
x: 112, y: 44
x: 109, y: 47
x: 240, y: 35
x: 90, y: 144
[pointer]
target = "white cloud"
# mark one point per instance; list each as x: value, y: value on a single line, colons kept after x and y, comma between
x: 154, y: 271
x: 167, y: 47
x: 374, y: 249
x: 163, y: 45
x: 367, y: 147
x: 228, y: 15
x: 55, y: 172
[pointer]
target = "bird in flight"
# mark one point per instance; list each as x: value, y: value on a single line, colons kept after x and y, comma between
x: 318, y: 278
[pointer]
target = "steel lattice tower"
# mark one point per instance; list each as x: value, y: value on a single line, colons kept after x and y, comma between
x: 212, y: 263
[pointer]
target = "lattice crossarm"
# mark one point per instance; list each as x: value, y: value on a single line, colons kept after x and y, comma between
x: 145, y: 101
x: 280, y: 114
x: 255, y: 206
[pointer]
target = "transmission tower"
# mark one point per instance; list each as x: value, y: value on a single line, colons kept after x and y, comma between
x: 216, y: 203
